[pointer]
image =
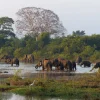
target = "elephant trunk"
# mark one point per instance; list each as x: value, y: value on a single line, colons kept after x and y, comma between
x: 36, y: 66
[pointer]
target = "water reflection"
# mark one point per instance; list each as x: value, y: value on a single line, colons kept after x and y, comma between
x: 12, y: 96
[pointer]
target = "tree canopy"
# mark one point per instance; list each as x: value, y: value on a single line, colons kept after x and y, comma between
x: 34, y: 21
x: 6, y: 26
x: 78, y: 33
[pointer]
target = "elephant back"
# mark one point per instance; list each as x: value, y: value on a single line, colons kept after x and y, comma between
x: 47, y: 64
x: 56, y: 62
x: 29, y: 58
x: 14, y: 60
x: 86, y: 63
x: 63, y: 62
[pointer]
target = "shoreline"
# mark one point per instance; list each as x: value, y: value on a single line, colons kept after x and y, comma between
x: 52, y: 75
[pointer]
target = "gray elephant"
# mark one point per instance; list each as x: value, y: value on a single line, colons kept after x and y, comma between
x: 28, y: 58
x: 86, y: 63
x: 97, y: 65
x: 46, y: 64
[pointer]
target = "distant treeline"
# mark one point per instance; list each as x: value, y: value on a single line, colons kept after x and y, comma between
x: 69, y: 47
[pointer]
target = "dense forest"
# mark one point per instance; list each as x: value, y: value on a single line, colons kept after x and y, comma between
x: 43, y: 46
x: 68, y: 47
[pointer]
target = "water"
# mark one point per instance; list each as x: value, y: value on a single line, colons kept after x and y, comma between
x: 12, y: 96
x: 30, y: 68
x: 23, y: 68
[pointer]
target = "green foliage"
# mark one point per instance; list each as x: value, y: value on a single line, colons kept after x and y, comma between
x: 78, y: 33
x: 87, y: 52
x: 7, y: 33
x: 43, y: 39
x: 17, y: 75
x: 2, y: 40
x: 6, y: 23
x: 6, y: 26
x: 37, y: 54
x: 95, y: 56
x: 19, y: 52
x: 6, y: 51
x: 45, y: 47
x: 86, y: 87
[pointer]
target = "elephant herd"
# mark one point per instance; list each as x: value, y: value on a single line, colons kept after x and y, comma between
x: 48, y: 64
x: 63, y: 64
x: 28, y: 58
x: 60, y: 64
x: 10, y: 60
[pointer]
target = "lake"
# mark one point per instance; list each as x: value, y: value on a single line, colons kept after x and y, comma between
x: 30, y: 68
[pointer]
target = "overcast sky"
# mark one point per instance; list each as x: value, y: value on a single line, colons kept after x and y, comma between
x: 74, y: 14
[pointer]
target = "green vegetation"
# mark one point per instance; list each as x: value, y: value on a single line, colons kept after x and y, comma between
x: 43, y: 46
x: 87, y: 87
x: 69, y: 47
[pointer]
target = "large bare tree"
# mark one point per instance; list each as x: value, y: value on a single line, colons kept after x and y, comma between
x: 33, y: 21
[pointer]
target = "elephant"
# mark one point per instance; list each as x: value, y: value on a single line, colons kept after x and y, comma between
x: 97, y: 65
x: 86, y: 63
x: 78, y: 60
x: 46, y: 64
x: 15, y: 61
x: 10, y: 60
x: 5, y: 57
x: 73, y: 65
x: 56, y: 63
x: 28, y: 58
x: 62, y: 64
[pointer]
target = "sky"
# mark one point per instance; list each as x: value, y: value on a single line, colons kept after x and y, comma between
x: 74, y: 14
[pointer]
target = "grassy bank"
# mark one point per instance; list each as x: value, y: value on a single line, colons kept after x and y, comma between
x: 87, y: 87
